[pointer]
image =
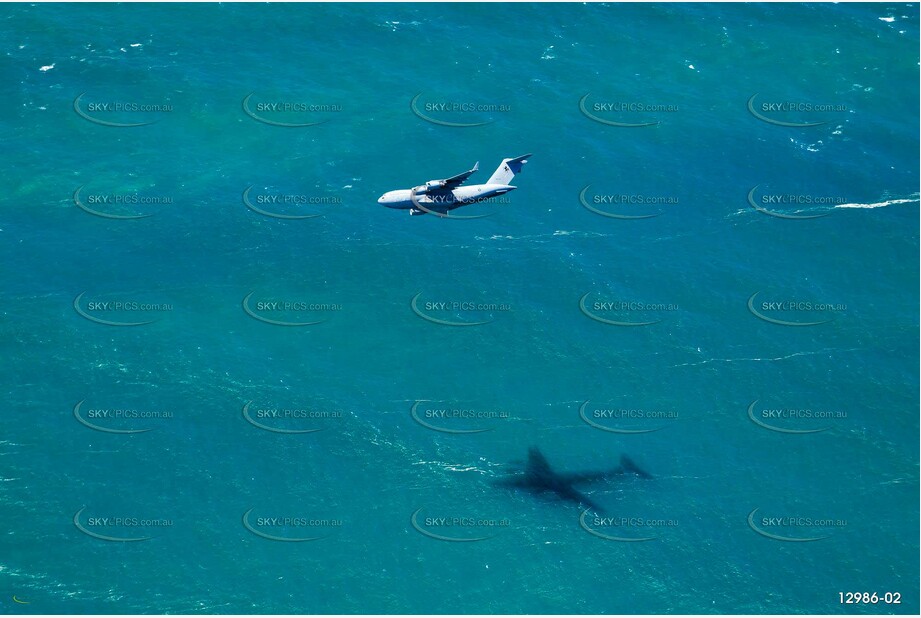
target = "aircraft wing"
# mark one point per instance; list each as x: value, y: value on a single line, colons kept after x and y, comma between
x: 577, y: 496
x: 537, y: 463
x: 449, y: 184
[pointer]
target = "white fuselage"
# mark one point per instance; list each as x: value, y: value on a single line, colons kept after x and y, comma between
x: 441, y: 200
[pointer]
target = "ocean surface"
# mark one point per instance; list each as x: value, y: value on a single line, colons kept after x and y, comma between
x: 290, y: 426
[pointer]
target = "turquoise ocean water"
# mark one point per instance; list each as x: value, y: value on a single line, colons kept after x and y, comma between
x: 741, y: 479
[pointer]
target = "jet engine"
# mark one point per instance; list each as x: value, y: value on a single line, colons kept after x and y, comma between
x: 435, y: 185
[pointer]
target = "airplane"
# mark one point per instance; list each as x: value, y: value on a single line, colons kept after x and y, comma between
x: 440, y: 196
x: 539, y: 478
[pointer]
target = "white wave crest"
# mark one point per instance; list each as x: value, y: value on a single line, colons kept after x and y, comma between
x: 906, y: 200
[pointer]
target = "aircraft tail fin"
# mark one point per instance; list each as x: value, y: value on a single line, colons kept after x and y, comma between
x: 628, y: 466
x: 507, y: 170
